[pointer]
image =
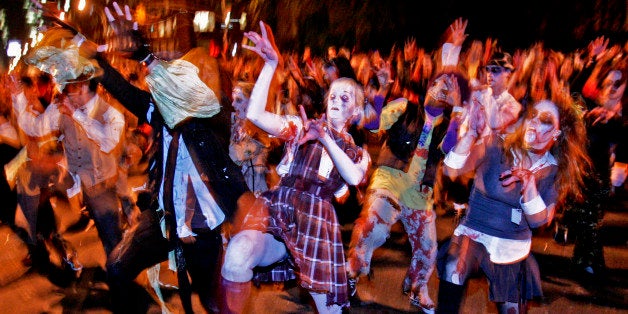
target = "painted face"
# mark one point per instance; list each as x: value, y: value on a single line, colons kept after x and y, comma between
x: 240, y: 101
x: 541, y: 126
x: 613, y: 86
x: 438, y: 92
x: 497, y: 76
x: 340, y: 104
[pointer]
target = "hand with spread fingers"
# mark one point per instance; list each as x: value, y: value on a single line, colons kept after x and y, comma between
x: 314, y: 128
x: 264, y: 44
x: 457, y: 31
x: 126, y: 38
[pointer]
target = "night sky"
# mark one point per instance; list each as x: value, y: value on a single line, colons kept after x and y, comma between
x: 370, y: 24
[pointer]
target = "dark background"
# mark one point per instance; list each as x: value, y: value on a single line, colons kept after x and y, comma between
x: 378, y: 24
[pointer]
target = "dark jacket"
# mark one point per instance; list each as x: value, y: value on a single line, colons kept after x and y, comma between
x: 403, y: 138
x: 207, y: 140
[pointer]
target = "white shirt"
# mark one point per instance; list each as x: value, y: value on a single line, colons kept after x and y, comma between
x: 186, y: 170
x: 501, y: 250
x: 36, y: 124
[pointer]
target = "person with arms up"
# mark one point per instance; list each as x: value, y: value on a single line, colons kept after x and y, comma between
x: 193, y: 186
x: 296, y: 221
x: 518, y: 180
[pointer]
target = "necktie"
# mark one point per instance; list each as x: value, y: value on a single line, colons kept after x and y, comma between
x: 185, y: 290
x: 171, y: 163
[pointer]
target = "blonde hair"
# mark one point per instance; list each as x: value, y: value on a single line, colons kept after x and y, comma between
x: 358, y: 93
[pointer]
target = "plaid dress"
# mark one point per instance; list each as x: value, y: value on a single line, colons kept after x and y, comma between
x: 300, y: 213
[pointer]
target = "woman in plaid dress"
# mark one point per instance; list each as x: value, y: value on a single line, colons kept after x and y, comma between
x: 295, y: 222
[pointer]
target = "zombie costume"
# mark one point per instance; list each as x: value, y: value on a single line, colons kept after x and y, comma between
x: 300, y: 213
x: 494, y: 235
x: 401, y: 189
x: 249, y: 153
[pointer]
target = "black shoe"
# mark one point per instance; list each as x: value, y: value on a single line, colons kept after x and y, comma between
x: 589, y: 276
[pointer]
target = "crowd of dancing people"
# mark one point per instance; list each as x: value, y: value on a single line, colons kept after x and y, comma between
x: 254, y: 162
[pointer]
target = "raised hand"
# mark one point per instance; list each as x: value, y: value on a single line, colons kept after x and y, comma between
x: 384, y: 74
x: 264, y: 44
x: 477, y: 118
x: 314, y: 128
x: 457, y: 29
x: 453, y: 95
x: 410, y: 50
x: 598, y: 46
x: 127, y: 39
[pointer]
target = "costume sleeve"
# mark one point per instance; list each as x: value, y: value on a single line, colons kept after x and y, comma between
x: 391, y: 112
x: 32, y: 122
x: 136, y: 100
x: 106, y: 134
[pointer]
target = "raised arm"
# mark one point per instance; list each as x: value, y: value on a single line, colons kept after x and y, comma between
x: 264, y: 46
x: 451, y: 48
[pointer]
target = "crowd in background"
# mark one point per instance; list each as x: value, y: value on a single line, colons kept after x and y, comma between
x: 44, y: 153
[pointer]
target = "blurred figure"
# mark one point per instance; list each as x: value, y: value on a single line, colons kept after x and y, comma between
x: 249, y: 146
x: 604, y: 93
x: 9, y: 147
x: 92, y: 131
x: 193, y: 185
x: 42, y: 176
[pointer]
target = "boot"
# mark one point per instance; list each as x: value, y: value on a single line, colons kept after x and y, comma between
x: 449, y: 297
x: 233, y: 296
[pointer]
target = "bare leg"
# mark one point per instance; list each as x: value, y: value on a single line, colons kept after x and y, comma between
x: 320, y: 299
x: 247, y: 249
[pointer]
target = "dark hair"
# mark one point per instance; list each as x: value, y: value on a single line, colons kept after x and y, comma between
x: 502, y: 59
x: 343, y: 65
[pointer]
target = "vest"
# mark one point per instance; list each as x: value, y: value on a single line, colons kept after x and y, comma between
x: 84, y: 156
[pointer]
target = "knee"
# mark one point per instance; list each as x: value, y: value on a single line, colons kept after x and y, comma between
x: 240, y: 257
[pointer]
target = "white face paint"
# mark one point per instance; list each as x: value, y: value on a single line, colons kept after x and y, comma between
x: 541, y: 126
x: 340, y: 104
x: 240, y: 101
x: 612, y: 88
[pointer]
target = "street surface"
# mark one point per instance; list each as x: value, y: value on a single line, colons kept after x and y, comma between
x: 23, y: 290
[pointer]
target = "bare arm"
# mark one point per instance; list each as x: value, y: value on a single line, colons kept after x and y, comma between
x: 256, y: 112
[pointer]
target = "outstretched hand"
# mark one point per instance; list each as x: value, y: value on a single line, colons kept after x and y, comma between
x: 264, y: 44
x: 457, y: 29
x: 598, y: 46
x: 127, y: 39
x: 314, y: 128
x: 477, y: 116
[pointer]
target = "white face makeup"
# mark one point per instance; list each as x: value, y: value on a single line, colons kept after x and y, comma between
x: 340, y: 104
x: 613, y: 87
x: 541, y: 127
x: 240, y: 101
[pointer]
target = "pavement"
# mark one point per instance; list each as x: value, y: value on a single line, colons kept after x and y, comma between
x: 25, y: 290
